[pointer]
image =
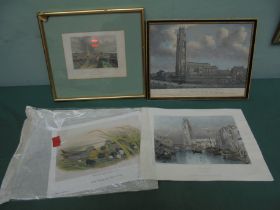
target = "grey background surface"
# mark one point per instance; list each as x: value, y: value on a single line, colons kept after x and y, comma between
x: 21, y: 54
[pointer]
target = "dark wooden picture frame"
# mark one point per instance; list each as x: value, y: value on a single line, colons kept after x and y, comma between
x: 199, y: 59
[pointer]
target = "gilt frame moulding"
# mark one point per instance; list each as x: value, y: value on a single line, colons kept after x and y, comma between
x: 199, y: 59
x: 276, y: 37
x: 94, y: 54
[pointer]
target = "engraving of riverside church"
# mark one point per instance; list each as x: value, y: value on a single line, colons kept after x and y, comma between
x: 218, y: 62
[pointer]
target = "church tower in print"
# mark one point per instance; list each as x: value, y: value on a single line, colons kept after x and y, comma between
x: 187, y: 131
x: 181, y: 52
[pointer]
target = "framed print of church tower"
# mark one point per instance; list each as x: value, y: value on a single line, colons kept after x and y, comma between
x: 200, y: 59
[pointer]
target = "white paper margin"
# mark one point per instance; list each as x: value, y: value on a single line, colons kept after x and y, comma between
x: 198, y: 92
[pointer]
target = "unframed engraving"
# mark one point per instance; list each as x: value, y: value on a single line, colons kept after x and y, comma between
x: 203, y: 145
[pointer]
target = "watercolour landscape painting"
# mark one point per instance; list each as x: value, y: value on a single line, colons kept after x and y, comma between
x: 200, y: 59
x: 102, y: 150
x: 104, y: 147
x: 95, y: 54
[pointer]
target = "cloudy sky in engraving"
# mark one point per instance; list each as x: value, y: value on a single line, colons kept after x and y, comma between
x: 168, y: 122
x: 223, y: 45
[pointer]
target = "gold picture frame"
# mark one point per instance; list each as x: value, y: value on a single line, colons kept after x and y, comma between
x: 276, y: 37
x: 206, y: 72
x: 94, y: 54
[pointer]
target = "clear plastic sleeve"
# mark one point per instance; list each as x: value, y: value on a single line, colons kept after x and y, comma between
x: 34, y: 162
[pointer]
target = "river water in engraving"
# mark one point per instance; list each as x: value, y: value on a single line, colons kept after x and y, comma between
x: 188, y: 157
